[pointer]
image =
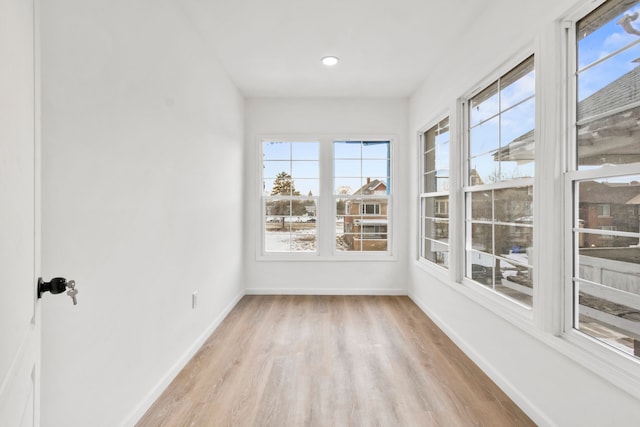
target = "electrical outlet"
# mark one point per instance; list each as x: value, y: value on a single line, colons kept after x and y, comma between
x: 194, y: 299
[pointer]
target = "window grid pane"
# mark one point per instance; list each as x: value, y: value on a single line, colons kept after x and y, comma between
x: 362, y: 224
x: 362, y: 185
x: 291, y: 182
x: 606, y: 226
x: 434, y: 210
x: 501, y: 148
x: 608, y: 86
x: 435, y: 229
x: 499, y: 241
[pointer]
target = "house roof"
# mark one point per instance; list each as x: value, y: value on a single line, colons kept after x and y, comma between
x: 620, y: 92
x: 611, y: 139
x: 371, y: 187
x: 609, y: 193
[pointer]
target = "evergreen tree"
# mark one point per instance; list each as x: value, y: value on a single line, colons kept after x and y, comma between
x: 284, y: 185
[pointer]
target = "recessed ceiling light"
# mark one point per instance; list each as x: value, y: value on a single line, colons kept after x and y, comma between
x: 330, y: 61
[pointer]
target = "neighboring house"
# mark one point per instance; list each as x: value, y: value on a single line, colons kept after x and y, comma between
x: 620, y: 213
x: 365, y: 220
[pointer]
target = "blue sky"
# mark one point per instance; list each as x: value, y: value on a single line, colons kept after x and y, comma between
x: 354, y: 162
x: 496, y: 132
x: 600, y: 43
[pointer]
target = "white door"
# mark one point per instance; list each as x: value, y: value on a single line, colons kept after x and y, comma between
x: 19, y: 218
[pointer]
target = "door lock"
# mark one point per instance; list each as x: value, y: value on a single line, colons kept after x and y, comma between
x: 58, y: 285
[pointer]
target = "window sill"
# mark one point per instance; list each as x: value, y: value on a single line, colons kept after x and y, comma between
x: 620, y: 370
x: 324, y: 258
x: 507, y: 308
x: 441, y: 273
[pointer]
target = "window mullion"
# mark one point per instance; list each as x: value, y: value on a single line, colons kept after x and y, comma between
x: 326, y: 203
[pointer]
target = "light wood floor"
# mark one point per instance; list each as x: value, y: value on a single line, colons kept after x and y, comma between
x: 331, y: 361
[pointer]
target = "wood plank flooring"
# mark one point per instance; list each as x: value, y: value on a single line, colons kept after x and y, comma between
x: 331, y: 361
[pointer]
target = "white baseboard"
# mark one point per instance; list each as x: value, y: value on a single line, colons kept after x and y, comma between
x: 501, y: 381
x: 331, y: 291
x: 164, y: 382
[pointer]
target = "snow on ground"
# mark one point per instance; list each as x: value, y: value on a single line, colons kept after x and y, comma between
x: 285, y: 241
x: 298, y: 241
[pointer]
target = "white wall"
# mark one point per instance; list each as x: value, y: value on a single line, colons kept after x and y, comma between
x: 19, y: 221
x: 142, y: 182
x: 526, y: 363
x: 319, y: 117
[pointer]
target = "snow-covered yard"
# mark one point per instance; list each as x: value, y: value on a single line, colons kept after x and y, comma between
x: 286, y: 241
x: 301, y: 239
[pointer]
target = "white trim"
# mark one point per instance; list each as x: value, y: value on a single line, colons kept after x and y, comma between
x: 457, y: 205
x: 514, y: 393
x: 322, y: 291
x: 434, y: 194
x: 606, y: 232
x: 136, y: 414
x: 607, y: 171
x: 351, y: 256
x: 619, y: 369
x: 512, y: 183
x: 444, y: 113
x: 569, y: 250
x: 434, y: 269
x: 503, y: 305
x: 514, y: 60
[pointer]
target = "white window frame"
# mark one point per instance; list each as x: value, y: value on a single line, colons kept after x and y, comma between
x: 362, y: 200
x: 425, y: 195
x: 619, y: 368
x: 291, y: 198
x: 493, y: 299
x: 325, y: 202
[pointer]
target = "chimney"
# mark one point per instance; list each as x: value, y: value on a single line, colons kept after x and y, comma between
x: 368, y: 180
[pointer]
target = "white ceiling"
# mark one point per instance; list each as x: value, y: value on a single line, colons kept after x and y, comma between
x: 272, y: 48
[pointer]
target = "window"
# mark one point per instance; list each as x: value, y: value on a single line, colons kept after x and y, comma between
x: 291, y: 186
x: 604, y: 210
x: 499, y: 165
x: 303, y: 215
x: 362, y: 194
x: 604, y: 178
x: 370, y: 209
x: 434, y: 195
